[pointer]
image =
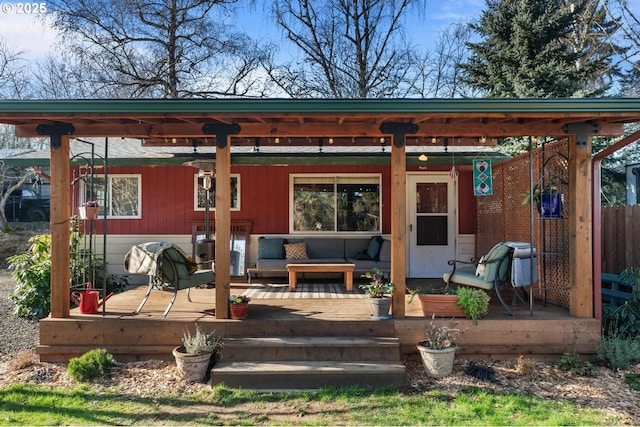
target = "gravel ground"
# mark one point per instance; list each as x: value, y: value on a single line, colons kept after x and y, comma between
x: 606, y: 390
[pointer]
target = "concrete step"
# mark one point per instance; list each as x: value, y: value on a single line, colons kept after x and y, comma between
x: 305, y: 375
x: 312, y: 349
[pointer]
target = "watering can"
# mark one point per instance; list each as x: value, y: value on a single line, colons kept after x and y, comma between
x: 88, y: 301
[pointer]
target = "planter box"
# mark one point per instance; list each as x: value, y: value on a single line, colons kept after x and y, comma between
x: 440, y: 305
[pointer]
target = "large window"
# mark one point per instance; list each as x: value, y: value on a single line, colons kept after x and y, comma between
x: 335, y: 203
x: 124, y: 194
x: 201, y: 193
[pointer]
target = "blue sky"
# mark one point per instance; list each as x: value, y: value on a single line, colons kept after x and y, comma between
x: 33, y: 37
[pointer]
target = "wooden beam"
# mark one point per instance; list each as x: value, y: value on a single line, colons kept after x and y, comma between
x: 223, y: 231
x: 60, y: 213
x: 580, y: 229
x: 398, y: 228
x: 327, y: 129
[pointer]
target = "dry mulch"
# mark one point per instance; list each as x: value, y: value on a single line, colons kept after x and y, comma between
x: 606, y: 390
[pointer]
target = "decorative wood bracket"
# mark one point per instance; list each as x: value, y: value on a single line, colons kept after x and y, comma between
x: 399, y: 130
x: 221, y: 131
x: 55, y: 132
x: 582, y: 131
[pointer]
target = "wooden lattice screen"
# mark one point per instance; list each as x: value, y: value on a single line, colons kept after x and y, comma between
x: 503, y: 217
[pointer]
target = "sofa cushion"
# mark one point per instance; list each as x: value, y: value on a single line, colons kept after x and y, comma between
x: 270, y: 248
x: 325, y: 247
x: 296, y: 250
x: 373, y: 250
x: 353, y: 247
x: 385, y: 251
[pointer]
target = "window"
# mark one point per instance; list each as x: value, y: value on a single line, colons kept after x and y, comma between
x: 200, y: 193
x: 335, y: 203
x: 124, y: 195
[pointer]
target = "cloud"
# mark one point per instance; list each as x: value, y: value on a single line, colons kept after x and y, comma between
x: 30, y: 35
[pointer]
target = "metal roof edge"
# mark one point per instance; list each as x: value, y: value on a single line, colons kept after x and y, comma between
x: 319, y: 106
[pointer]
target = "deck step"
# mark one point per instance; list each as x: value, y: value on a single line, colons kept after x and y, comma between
x: 312, y: 349
x: 305, y: 375
x: 311, y: 362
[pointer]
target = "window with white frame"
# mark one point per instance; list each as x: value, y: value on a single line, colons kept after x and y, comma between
x: 200, y: 194
x: 124, y: 194
x: 335, y: 203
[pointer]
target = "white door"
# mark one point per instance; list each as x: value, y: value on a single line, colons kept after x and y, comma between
x: 432, y: 224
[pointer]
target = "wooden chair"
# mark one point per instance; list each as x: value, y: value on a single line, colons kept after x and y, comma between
x: 169, y: 269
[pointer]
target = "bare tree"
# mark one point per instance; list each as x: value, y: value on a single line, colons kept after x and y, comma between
x: 436, y: 73
x: 145, y: 48
x: 13, y: 73
x: 350, y: 48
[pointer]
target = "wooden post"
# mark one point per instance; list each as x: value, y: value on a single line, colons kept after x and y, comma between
x: 580, y: 229
x: 223, y: 229
x: 399, y: 227
x: 60, y: 213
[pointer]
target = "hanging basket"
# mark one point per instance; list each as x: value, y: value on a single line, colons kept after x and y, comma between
x: 550, y: 206
x: 89, y: 212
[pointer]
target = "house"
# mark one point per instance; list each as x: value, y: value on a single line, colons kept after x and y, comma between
x: 373, y: 143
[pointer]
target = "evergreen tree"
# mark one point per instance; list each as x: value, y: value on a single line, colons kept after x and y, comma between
x: 525, y: 51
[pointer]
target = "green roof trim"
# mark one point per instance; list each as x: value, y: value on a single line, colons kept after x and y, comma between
x: 319, y: 106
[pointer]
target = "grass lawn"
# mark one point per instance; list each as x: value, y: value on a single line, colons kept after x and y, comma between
x: 87, y: 405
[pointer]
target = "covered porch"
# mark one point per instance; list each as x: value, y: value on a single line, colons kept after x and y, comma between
x: 547, y: 334
x: 393, y: 125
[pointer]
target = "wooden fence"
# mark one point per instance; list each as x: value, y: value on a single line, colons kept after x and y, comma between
x: 620, y: 238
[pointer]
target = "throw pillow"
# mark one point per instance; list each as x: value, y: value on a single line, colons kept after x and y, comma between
x: 270, y: 248
x: 373, y: 250
x: 296, y: 250
x: 481, y: 266
x: 385, y: 251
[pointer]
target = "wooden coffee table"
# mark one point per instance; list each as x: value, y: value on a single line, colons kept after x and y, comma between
x: 347, y: 269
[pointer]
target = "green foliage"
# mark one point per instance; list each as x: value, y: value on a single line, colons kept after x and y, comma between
x: 618, y: 351
x: 32, y: 272
x: 571, y: 362
x: 474, y: 302
x: 378, y: 286
x: 527, y: 51
x: 201, y: 342
x: 625, y: 318
x: 93, y: 364
x: 633, y: 380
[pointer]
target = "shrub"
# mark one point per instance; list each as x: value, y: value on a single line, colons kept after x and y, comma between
x: 92, y: 364
x: 619, y: 351
x: 201, y: 342
x: 570, y: 362
x: 32, y: 272
x: 474, y: 302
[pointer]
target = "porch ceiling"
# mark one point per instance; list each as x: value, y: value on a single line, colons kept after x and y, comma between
x: 347, y: 122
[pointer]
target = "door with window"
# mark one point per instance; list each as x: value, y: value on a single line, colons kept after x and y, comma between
x: 431, y: 224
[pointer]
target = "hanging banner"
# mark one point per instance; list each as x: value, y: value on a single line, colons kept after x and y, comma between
x: 482, y: 184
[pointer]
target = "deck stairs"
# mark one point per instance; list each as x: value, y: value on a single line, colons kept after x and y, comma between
x: 309, y: 362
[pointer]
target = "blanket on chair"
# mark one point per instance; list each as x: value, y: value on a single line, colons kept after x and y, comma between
x: 144, y: 258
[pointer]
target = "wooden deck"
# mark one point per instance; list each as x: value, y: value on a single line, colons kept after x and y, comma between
x: 549, y: 333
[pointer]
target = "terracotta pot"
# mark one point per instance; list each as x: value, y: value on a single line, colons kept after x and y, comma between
x: 89, y: 212
x: 239, y: 311
x: 440, y: 305
x: 191, y: 367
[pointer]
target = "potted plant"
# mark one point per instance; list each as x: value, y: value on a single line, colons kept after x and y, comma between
x: 89, y: 210
x: 239, y: 306
x: 194, y: 355
x: 440, y: 302
x: 547, y: 199
x: 379, y: 290
x: 474, y: 302
x: 438, y: 349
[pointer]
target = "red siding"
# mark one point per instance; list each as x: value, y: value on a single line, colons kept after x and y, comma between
x: 167, y: 198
